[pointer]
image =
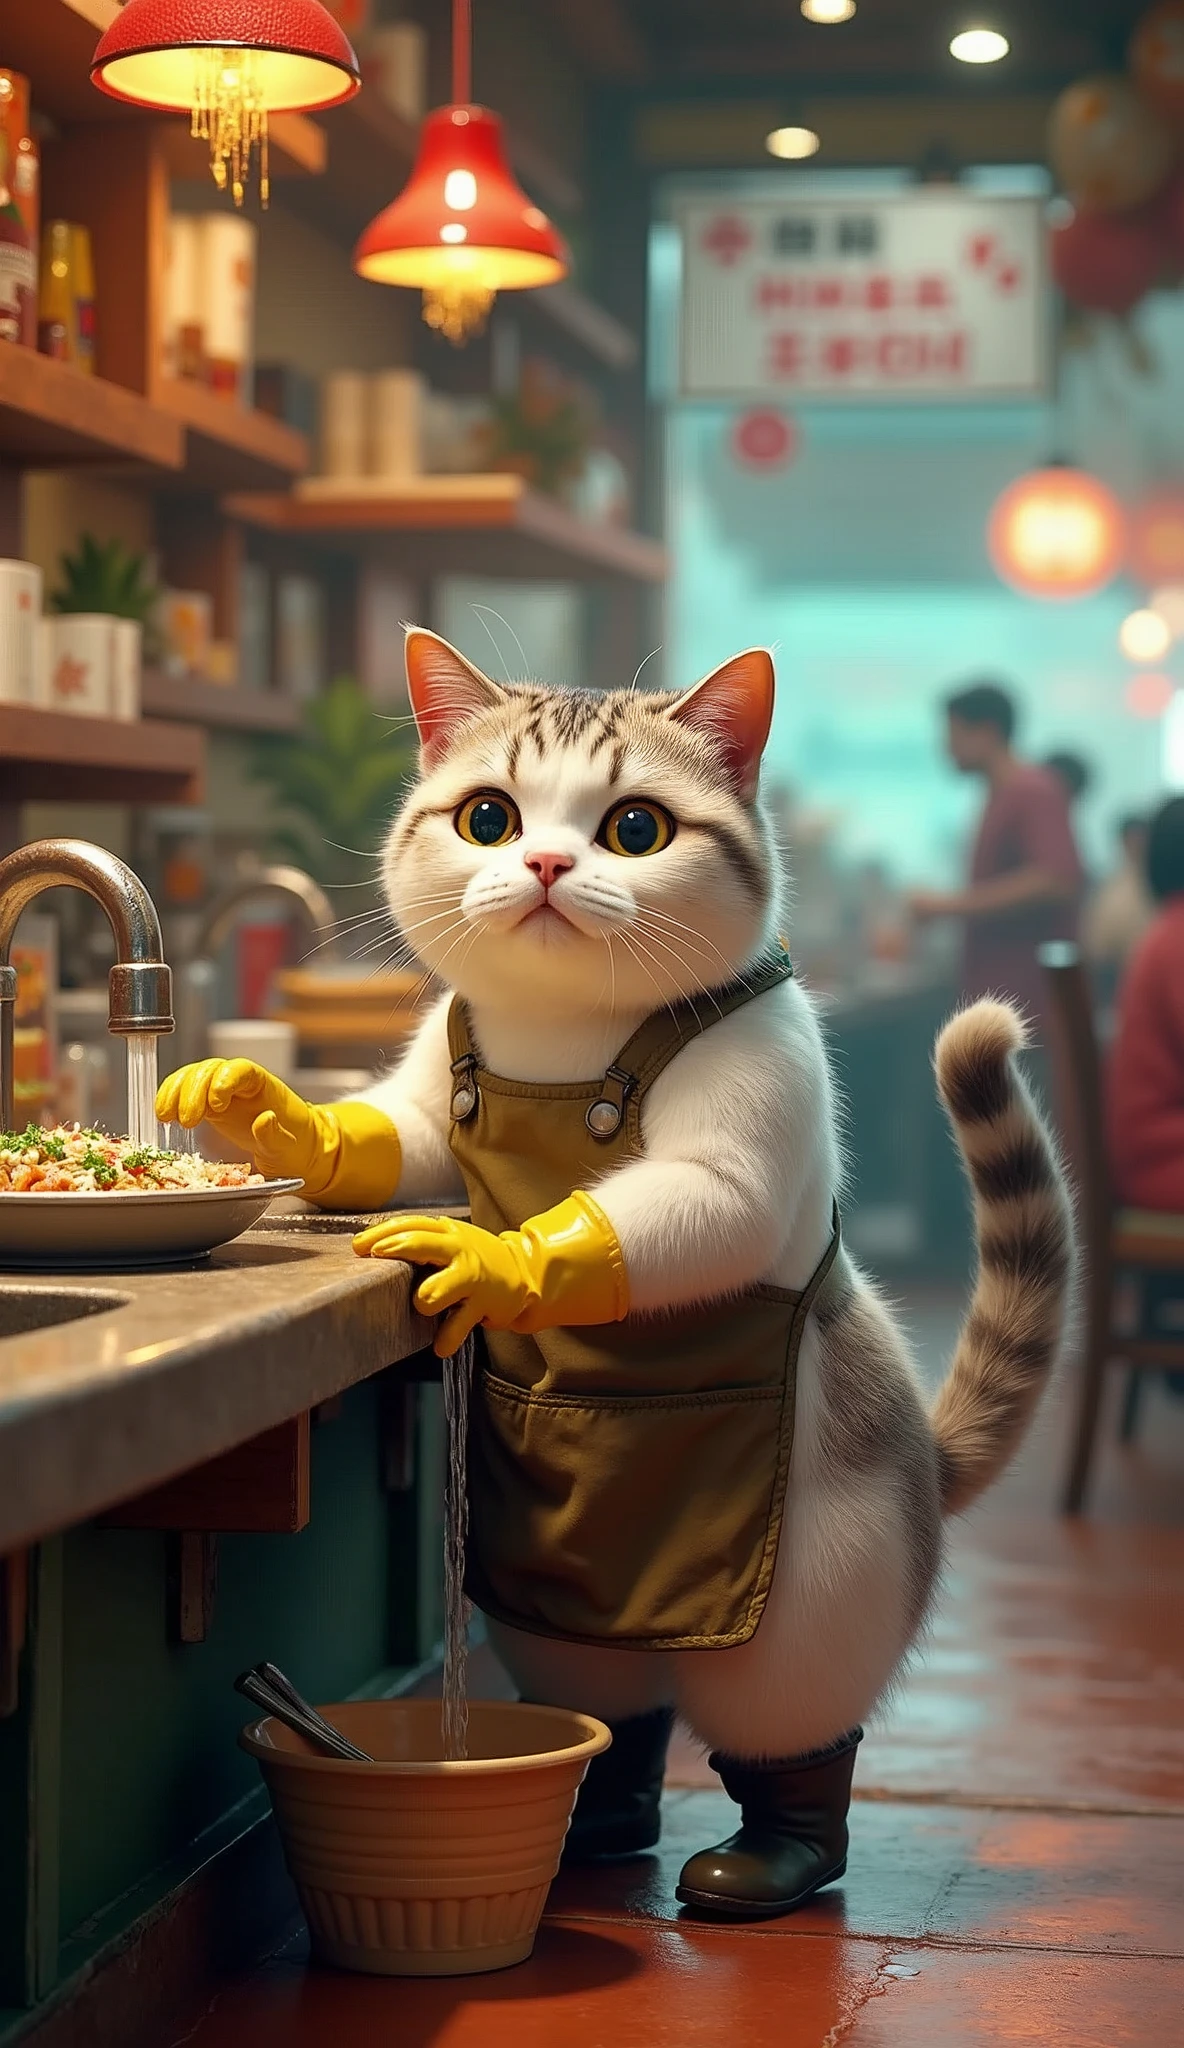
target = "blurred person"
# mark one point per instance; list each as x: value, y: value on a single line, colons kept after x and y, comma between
x: 1073, y: 773
x: 1145, y: 1074
x: 1025, y: 872
x: 1122, y: 906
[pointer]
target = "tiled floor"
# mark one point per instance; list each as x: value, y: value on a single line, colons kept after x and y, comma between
x: 1017, y: 1863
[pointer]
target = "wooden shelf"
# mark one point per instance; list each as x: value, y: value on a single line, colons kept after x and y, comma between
x: 192, y: 699
x: 232, y: 447
x: 52, y: 414
x: 493, y: 522
x: 52, y: 756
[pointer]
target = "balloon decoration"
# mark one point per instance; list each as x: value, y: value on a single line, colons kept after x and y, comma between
x: 1105, y: 263
x: 1157, y: 58
x: 1117, y: 148
x: 1110, y: 150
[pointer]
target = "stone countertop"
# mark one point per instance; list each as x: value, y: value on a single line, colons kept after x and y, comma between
x: 166, y: 1369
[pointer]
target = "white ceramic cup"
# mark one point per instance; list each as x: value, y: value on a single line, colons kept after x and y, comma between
x: 345, y: 423
x: 79, y: 663
x: 20, y: 612
x: 127, y: 654
x: 265, y: 1040
x: 396, y: 445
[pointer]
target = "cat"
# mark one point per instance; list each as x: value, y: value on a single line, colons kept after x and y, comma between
x: 560, y: 947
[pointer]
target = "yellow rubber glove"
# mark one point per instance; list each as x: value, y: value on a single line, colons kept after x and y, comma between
x: 563, y: 1267
x: 347, y: 1155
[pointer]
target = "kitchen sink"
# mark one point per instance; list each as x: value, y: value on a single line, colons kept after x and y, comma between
x: 39, y: 1308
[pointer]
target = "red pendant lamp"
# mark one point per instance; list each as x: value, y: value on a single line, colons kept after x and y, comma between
x: 228, y: 64
x: 462, y: 229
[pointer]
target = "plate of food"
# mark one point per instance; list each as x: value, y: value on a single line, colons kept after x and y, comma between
x: 76, y: 1197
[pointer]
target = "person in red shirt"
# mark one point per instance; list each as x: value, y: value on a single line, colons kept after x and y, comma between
x: 1026, y: 877
x: 1145, y: 1076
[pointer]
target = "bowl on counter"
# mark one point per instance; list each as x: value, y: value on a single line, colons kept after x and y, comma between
x: 411, y: 1866
x: 121, y: 1232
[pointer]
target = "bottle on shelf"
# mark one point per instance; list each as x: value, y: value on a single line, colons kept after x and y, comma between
x: 55, y: 294
x: 83, y: 266
x: 18, y: 262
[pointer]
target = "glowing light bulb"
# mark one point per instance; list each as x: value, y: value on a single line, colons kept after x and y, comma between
x: 1144, y: 636
x: 460, y: 191
x: 793, y: 143
x: 979, y: 46
x: 828, y: 10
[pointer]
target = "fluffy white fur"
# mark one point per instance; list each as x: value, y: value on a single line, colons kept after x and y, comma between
x: 740, y: 1157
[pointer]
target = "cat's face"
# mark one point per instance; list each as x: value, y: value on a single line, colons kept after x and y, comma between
x: 581, y: 852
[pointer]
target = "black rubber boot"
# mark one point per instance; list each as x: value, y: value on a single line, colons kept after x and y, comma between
x: 618, y: 1812
x: 792, y: 1837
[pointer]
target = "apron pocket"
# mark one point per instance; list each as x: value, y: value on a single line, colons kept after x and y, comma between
x: 637, y: 1520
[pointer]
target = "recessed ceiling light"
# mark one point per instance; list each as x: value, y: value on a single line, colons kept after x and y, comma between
x: 828, y: 10
x: 979, y: 46
x: 792, y: 142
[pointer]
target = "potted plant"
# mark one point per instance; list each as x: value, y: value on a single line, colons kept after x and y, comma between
x: 337, y: 783
x: 94, y: 641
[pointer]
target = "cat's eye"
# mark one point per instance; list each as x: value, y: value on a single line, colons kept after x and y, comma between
x: 635, y: 828
x: 488, y: 819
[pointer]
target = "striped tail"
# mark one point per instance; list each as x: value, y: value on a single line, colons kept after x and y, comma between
x: 1009, y: 1343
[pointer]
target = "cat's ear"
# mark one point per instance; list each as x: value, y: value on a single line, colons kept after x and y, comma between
x: 446, y: 691
x: 733, y: 707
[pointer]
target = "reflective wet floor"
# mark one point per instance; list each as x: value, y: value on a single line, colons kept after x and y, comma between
x: 1017, y: 1859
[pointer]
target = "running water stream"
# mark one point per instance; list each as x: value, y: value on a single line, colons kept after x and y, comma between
x: 454, y: 1708
x: 142, y: 1127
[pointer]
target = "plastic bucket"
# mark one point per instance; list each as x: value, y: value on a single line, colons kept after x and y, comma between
x: 413, y: 1867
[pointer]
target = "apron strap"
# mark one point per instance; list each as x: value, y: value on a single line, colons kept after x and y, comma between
x: 651, y: 1048
x: 460, y: 1043
x: 655, y: 1043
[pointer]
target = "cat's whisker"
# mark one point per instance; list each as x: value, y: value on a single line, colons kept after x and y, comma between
x: 637, y: 954
x: 341, y: 924
x: 404, y: 945
x: 731, y: 972
x: 682, y: 964
x: 433, y: 972
x: 649, y: 657
x: 663, y: 935
x: 480, y: 610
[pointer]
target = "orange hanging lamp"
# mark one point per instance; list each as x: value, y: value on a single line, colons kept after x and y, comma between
x: 228, y: 64
x: 462, y: 229
x: 1057, y: 533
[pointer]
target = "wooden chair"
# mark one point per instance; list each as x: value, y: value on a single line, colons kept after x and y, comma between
x: 1121, y: 1249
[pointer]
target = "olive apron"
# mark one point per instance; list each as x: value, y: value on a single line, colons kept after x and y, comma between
x: 626, y: 1481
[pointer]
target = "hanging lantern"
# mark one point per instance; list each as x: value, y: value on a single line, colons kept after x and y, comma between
x: 462, y: 229
x: 1056, y: 533
x: 228, y: 64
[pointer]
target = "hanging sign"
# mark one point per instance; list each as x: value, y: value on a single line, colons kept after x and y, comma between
x: 919, y: 295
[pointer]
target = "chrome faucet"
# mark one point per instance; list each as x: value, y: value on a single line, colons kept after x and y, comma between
x: 197, y: 974
x: 140, y: 986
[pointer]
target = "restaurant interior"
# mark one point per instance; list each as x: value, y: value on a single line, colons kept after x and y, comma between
x: 601, y: 340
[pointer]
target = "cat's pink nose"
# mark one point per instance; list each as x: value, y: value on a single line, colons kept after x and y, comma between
x: 549, y: 866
